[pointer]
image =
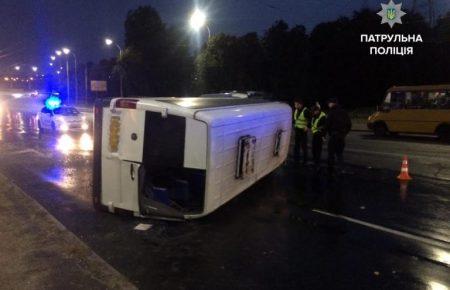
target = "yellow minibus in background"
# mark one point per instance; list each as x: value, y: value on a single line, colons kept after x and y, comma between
x: 414, y: 109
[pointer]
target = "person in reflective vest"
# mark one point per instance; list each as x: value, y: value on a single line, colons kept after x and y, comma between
x: 318, y: 123
x: 302, y: 117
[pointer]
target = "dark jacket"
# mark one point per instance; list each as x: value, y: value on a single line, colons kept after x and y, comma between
x: 338, y: 122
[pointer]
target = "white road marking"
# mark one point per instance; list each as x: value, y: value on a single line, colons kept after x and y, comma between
x: 25, y: 151
x: 436, y: 243
x: 399, y: 155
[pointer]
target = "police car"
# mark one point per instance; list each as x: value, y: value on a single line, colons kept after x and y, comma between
x: 61, y: 119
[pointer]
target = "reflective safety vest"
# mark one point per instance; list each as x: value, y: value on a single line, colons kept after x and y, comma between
x: 315, y: 123
x: 300, y: 121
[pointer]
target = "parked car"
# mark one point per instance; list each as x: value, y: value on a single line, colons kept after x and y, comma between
x: 62, y: 119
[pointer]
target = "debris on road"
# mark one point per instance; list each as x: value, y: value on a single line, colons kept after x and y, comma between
x: 143, y: 227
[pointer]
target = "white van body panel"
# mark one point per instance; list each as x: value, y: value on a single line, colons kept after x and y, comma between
x: 131, y: 122
x: 195, y: 150
x: 227, y: 125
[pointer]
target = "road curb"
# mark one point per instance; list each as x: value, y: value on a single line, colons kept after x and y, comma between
x: 66, y: 247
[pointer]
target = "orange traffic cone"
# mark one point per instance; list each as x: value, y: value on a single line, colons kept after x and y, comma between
x: 404, y: 175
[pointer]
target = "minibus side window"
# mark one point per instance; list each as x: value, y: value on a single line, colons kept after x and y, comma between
x: 443, y: 101
x: 398, y: 100
x: 416, y: 100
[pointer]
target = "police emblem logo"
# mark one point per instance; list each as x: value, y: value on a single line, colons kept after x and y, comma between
x: 391, y: 13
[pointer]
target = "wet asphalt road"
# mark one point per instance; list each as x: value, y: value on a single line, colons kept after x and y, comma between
x: 292, y: 230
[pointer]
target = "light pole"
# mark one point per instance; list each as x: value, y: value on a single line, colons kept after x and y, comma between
x: 67, y: 51
x: 198, y: 20
x: 109, y: 42
x: 59, y: 53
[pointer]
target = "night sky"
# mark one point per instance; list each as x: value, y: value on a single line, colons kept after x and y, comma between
x: 30, y: 30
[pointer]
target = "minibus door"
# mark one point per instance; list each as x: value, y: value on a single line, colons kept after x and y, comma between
x: 130, y: 154
x: 163, y: 158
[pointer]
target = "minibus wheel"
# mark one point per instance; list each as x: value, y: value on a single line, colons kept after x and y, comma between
x: 443, y: 133
x: 380, y: 129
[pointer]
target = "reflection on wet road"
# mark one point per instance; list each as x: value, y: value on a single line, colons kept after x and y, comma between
x: 61, y: 159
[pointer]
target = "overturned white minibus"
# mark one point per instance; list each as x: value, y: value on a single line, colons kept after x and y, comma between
x: 183, y: 157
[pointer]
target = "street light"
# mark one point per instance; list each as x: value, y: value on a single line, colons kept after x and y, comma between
x: 109, y: 42
x: 198, y: 20
x: 67, y: 51
x: 34, y: 68
x: 52, y: 57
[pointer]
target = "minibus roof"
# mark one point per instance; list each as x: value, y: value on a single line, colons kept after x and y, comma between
x: 189, y: 106
x: 428, y: 88
x: 214, y: 102
x: 214, y: 111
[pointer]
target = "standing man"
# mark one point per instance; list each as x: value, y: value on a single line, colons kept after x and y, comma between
x: 302, y: 118
x: 318, y: 123
x: 338, y: 125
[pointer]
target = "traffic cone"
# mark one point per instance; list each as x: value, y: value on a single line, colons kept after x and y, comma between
x: 404, y: 175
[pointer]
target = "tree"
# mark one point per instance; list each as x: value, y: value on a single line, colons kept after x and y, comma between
x: 156, y: 59
x: 231, y: 63
x: 287, y: 58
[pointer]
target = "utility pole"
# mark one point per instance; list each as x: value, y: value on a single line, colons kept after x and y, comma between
x: 68, y: 80
x: 86, y: 83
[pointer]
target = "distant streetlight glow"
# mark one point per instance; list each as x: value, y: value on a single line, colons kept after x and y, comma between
x: 52, y: 57
x: 66, y: 50
x: 58, y: 52
x: 108, y: 41
x: 17, y: 67
x: 51, y: 63
x: 34, y: 68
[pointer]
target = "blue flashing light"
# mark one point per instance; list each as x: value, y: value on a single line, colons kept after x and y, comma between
x: 53, y: 102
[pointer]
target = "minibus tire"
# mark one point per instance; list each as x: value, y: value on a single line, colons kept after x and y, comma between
x: 380, y: 130
x: 443, y: 133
